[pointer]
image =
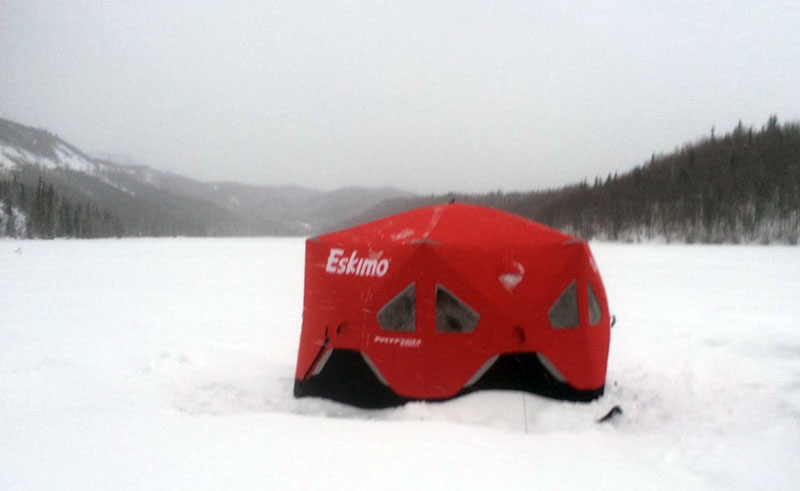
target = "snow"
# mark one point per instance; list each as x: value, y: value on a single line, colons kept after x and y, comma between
x: 7, y: 157
x: 169, y: 363
x: 70, y: 160
x: 65, y: 159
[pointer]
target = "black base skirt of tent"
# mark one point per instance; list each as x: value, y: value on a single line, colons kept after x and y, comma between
x: 346, y: 377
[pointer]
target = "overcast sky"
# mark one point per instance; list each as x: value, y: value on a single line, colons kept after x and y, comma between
x: 427, y: 96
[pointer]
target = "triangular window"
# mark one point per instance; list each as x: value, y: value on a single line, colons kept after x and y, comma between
x: 453, y: 315
x: 399, y: 314
x: 595, y: 312
x: 564, y: 312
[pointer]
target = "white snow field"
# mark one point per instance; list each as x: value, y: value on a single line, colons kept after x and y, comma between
x: 169, y: 364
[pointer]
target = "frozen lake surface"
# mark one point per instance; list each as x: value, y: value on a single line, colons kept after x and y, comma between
x: 169, y: 364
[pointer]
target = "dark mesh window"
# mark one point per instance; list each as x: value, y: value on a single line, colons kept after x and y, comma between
x: 564, y: 312
x: 453, y: 315
x: 400, y: 313
x: 595, y: 312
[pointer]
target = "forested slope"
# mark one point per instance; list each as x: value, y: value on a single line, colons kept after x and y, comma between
x: 742, y: 187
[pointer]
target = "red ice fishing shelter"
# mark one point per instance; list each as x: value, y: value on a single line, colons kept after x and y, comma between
x: 444, y: 300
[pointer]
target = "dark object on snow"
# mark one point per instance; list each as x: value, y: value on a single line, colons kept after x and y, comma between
x: 449, y: 299
x: 615, y: 411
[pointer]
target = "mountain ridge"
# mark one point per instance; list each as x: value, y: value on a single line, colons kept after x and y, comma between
x: 150, y: 202
x: 741, y: 187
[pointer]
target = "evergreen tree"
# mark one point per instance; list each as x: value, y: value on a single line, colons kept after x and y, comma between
x: 50, y: 215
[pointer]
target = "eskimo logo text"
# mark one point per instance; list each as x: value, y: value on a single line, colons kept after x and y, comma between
x: 354, y: 265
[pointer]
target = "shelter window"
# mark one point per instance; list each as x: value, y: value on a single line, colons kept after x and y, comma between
x: 564, y: 312
x: 399, y: 314
x: 595, y: 312
x: 452, y: 314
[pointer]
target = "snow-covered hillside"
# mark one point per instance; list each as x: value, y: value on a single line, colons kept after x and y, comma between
x: 168, y: 364
x: 23, y: 146
x: 147, y: 202
x: 65, y: 158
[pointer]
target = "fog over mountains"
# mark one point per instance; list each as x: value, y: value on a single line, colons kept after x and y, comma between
x: 147, y: 202
x: 742, y: 186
